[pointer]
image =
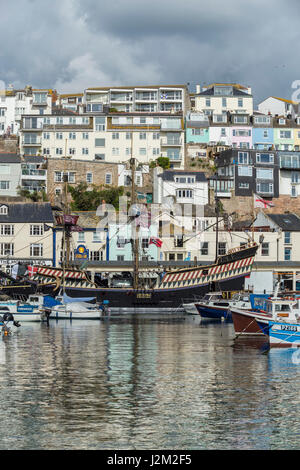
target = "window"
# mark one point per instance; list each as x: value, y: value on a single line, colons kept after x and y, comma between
x: 266, y: 134
x: 59, y: 135
x: 264, y: 173
x: 143, y: 136
x: 295, y: 177
x: 265, y: 158
x: 46, y: 151
x: 223, y: 132
x: 142, y: 120
x: 85, y: 151
x: 207, y: 102
x: 142, y: 151
x: 46, y: 135
x: 72, y: 151
x: 285, y: 135
x: 171, y: 256
x: 36, y: 230
x: 224, y: 102
x: 156, y: 135
x: 85, y: 135
x: 58, y: 151
x: 115, y: 135
x: 204, y: 248
x: 145, y: 243
x: 99, y: 142
x: 240, y: 102
x: 287, y: 237
x: 197, y: 131
x: 96, y: 255
x: 244, y: 185
x: 115, y: 151
x: 99, y: 123
x: 262, y: 120
x: 287, y: 254
x: 156, y: 151
x: 244, y: 170
x: 265, y: 249
x: 293, y: 191
x: 120, y: 258
x: 221, y: 248
x: 96, y: 236
x: 108, y: 178
x: 264, y: 188
x: 281, y: 121
x: 36, y: 249
x: 7, y: 249
x: 128, y: 135
x: 240, y: 119
x: 5, y: 185
x: 72, y: 135
x: 243, y: 158
x: 89, y: 178
x: 81, y: 238
x: 184, y: 193
x: 7, y: 230
x: 99, y: 156
x: 3, y: 210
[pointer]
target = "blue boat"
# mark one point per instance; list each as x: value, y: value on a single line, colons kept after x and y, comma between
x: 281, y: 334
x: 214, y: 306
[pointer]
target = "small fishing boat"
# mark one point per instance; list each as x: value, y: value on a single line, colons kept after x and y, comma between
x: 30, y: 310
x: 214, y: 306
x: 264, y: 308
x: 283, y: 328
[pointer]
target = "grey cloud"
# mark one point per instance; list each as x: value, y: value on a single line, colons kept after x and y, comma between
x: 74, y: 44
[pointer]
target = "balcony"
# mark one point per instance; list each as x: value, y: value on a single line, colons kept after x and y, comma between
x: 167, y: 142
x: 31, y: 142
x: 172, y: 157
x: 34, y: 173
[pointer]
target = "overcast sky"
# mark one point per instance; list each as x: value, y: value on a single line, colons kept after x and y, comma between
x: 74, y: 44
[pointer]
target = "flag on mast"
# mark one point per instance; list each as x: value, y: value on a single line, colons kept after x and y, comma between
x: 260, y: 202
x: 156, y: 241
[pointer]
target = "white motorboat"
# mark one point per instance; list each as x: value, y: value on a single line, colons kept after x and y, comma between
x: 30, y: 310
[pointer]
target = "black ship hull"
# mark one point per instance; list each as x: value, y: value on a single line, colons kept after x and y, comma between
x: 175, y: 287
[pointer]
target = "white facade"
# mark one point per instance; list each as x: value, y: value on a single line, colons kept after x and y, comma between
x: 181, y: 187
x: 223, y: 98
x: 139, y: 99
x: 274, y: 105
x: 109, y: 138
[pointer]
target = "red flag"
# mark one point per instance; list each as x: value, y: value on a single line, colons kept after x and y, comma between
x: 32, y: 270
x: 155, y: 241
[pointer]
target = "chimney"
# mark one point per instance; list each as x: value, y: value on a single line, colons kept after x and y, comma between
x: 198, y: 88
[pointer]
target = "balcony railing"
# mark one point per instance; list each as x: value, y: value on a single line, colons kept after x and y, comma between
x: 26, y: 172
x: 36, y: 141
x: 169, y: 142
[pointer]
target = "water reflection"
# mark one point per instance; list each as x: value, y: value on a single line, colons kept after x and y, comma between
x: 145, y: 383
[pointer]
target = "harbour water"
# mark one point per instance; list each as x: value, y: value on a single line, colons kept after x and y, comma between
x: 146, y: 382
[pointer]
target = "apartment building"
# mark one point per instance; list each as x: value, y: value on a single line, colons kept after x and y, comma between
x: 112, y: 138
x: 10, y: 174
x: 25, y: 233
x: 144, y: 99
x: 219, y: 98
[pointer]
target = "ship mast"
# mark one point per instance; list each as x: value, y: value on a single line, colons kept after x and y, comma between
x: 135, y: 230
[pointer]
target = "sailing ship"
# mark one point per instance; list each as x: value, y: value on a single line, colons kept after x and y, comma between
x: 165, y: 294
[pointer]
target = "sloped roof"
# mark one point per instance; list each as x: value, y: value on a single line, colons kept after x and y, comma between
x: 287, y: 222
x: 283, y: 99
x: 10, y: 158
x: 27, y: 213
x: 168, y: 175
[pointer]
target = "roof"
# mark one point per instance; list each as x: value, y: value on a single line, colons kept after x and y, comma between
x: 168, y: 175
x: 134, y: 87
x: 236, y: 85
x: 235, y: 92
x: 283, y: 99
x: 27, y: 213
x: 33, y: 159
x: 10, y: 158
x: 287, y: 222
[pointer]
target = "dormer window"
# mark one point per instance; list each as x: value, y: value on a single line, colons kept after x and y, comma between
x: 281, y: 121
x: 3, y: 210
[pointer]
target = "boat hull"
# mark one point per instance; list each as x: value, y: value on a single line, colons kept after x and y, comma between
x: 245, y: 323
x: 281, y: 334
x: 211, y: 312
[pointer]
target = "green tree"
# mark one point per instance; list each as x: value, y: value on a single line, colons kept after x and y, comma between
x: 89, y: 200
x: 164, y: 162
